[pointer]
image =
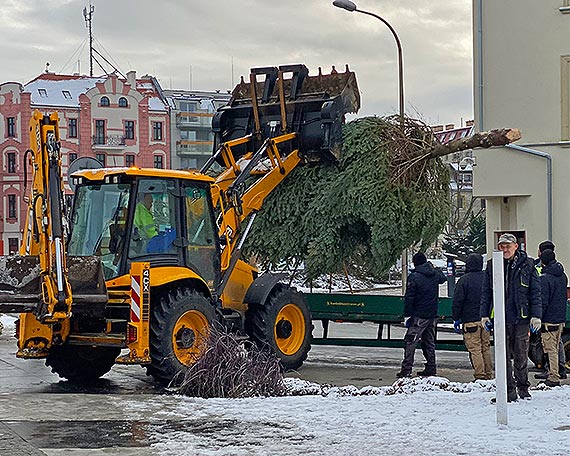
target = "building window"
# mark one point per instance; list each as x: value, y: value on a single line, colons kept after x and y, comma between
x: 99, y: 132
x: 105, y: 101
x: 12, y: 206
x: 11, y: 162
x: 129, y: 129
x: 158, y: 162
x: 72, y: 128
x: 100, y: 158
x: 11, y: 126
x: 42, y: 93
x: 66, y: 94
x: 157, y: 131
x: 130, y: 160
x: 13, y: 246
x: 123, y: 102
x: 188, y: 106
x: 72, y: 157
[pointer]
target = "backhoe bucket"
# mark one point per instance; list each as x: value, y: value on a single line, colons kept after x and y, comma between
x: 313, y: 107
x: 20, y: 284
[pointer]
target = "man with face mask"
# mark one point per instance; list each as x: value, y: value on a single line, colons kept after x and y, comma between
x: 523, y: 311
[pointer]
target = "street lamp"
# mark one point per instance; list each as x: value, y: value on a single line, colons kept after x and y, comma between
x: 351, y: 6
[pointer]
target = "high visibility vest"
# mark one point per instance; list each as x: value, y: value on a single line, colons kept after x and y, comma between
x: 144, y: 221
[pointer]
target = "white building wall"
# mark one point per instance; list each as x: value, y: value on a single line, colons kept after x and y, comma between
x: 521, y: 55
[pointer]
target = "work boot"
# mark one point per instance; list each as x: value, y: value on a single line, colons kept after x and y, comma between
x: 562, y: 372
x: 403, y: 374
x: 550, y: 383
x: 541, y: 375
x: 524, y: 394
x: 426, y: 373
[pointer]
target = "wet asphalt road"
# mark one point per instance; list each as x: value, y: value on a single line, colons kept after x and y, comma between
x: 43, y: 415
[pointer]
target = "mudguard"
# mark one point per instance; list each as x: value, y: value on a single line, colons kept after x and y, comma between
x: 261, y: 287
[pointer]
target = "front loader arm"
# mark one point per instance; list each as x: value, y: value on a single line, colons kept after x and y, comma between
x: 263, y: 138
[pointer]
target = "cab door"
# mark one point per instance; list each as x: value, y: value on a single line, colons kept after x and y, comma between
x: 202, y: 250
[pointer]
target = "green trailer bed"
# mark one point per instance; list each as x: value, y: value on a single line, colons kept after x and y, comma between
x: 383, y: 310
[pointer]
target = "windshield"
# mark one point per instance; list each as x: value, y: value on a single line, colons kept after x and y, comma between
x: 98, y: 223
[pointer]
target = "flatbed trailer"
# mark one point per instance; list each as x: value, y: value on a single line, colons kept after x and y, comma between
x: 386, y: 311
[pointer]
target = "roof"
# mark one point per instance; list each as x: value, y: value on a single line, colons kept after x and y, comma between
x: 100, y: 173
x: 52, y: 89
x: 59, y: 90
x: 446, y: 136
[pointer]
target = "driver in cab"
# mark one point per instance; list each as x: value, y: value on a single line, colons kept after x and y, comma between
x: 144, y: 220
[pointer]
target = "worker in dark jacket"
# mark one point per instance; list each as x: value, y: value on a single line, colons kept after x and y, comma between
x: 553, y: 282
x: 466, y: 311
x: 523, y: 311
x: 536, y: 351
x: 420, y: 314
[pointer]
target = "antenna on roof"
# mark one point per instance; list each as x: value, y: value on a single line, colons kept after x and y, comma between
x: 88, y: 15
x: 47, y: 67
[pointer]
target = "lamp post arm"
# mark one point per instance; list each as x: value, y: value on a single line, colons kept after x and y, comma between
x: 400, y: 58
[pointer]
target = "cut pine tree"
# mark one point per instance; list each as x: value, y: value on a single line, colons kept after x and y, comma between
x: 388, y: 191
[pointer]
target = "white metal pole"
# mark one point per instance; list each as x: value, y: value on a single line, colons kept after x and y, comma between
x: 499, y: 338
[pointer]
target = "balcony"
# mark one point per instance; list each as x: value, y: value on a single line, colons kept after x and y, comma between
x: 194, y: 120
x: 184, y: 148
x: 109, y: 141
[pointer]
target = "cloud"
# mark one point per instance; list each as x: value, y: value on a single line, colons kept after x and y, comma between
x: 211, y: 43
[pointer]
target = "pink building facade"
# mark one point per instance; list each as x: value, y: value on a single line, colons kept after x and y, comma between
x: 119, y: 122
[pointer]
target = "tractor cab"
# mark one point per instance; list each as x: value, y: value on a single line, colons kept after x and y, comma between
x: 139, y: 216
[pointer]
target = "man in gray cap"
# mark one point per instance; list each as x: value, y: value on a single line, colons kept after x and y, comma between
x: 523, y: 311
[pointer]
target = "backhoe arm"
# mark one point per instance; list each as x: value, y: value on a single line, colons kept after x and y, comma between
x: 44, y: 235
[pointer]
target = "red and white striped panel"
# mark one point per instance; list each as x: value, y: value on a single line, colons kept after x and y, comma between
x: 135, y: 299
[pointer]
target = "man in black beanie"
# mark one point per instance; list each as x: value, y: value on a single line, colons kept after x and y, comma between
x: 420, y: 314
x: 553, y: 282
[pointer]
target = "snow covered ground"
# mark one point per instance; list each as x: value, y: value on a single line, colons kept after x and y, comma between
x: 414, y: 416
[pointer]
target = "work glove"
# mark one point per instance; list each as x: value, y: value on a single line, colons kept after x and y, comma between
x: 457, y: 326
x: 535, y: 324
x: 487, y: 323
x: 408, y: 322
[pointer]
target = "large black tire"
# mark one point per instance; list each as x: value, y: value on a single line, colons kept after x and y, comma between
x: 284, y: 324
x: 536, y: 352
x: 566, y: 343
x: 179, y: 322
x: 81, y: 363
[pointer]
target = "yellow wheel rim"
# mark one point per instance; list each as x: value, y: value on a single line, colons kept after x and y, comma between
x: 289, y: 329
x: 189, y: 333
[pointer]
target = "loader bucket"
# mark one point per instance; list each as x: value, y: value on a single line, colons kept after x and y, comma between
x: 313, y: 107
x: 20, y: 284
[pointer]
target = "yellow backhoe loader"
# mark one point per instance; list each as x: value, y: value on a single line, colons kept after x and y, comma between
x: 152, y: 257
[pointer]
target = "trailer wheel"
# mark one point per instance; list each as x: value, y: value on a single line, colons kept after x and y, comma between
x: 179, y: 323
x: 566, y: 343
x: 81, y: 363
x: 284, y: 324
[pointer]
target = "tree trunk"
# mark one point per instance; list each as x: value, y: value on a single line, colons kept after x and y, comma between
x: 485, y: 139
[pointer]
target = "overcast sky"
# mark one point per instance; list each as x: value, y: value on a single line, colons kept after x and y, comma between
x: 203, y: 43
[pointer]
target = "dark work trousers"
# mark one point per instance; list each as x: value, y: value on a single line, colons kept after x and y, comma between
x: 517, y: 350
x: 423, y: 329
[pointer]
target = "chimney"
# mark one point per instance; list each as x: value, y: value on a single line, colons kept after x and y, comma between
x: 469, y: 123
x: 449, y: 126
x: 438, y: 128
x: 132, y: 78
